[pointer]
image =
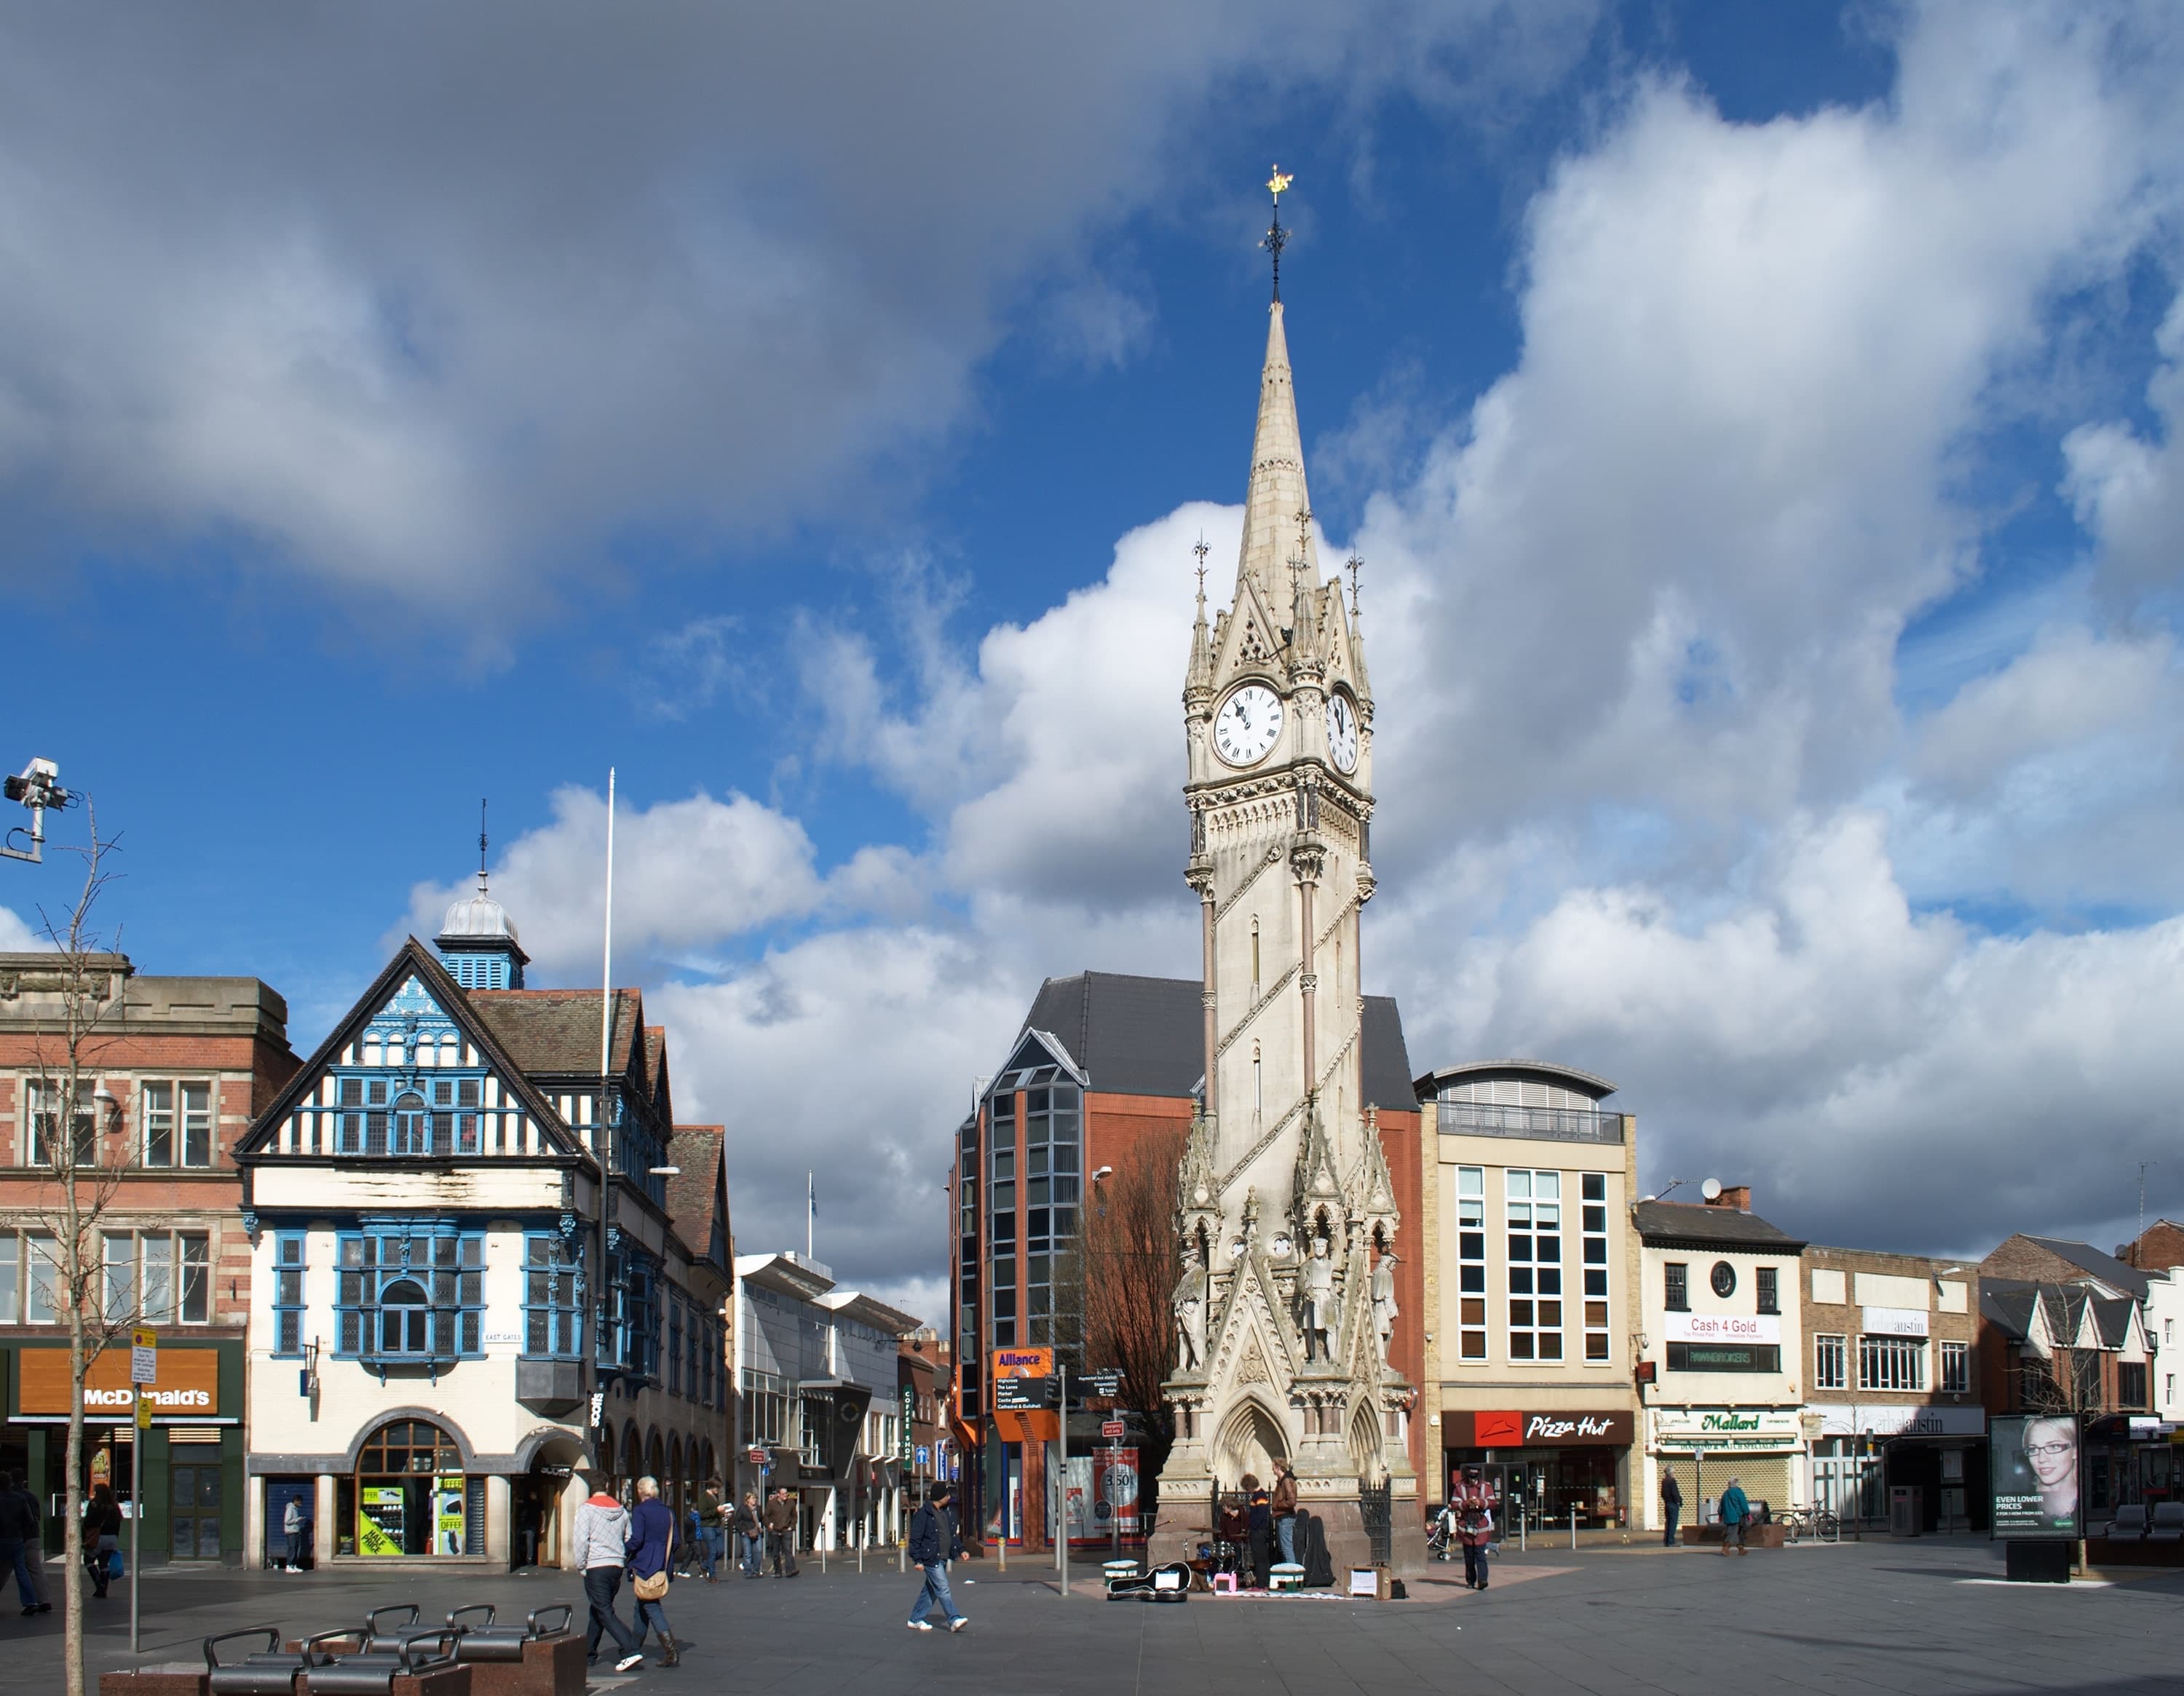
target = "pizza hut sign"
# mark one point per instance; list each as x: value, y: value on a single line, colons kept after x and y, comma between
x: 1569, y: 1428
x: 1496, y: 1429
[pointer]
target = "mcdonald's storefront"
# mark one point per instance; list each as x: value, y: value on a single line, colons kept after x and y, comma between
x: 193, y: 1453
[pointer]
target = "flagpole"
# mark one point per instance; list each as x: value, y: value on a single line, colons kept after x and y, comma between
x: 602, y: 1146
x: 810, y: 1215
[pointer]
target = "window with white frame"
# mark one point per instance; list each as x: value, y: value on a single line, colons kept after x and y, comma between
x: 1533, y: 1202
x: 766, y: 1409
x: 1471, y: 1262
x: 158, y: 1278
x: 1891, y: 1363
x: 1829, y: 1364
x: 1594, y: 1191
x: 42, y: 1098
x: 27, y: 1278
x: 1956, y: 1368
x: 177, y: 1123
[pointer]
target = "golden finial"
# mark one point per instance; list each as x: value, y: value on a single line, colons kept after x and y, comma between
x: 1277, y: 238
x: 1278, y: 181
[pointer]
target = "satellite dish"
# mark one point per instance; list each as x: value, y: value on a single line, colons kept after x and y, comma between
x: 1711, y: 1189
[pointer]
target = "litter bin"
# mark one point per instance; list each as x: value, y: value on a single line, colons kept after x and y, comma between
x: 1905, y: 1506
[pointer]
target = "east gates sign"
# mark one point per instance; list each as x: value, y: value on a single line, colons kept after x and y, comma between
x: 1499, y: 1429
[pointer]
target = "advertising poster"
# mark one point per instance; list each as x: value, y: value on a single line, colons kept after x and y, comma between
x: 2035, y: 1466
x: 1115, y: 1491
x: 448, y: 1526
x: 379, y: 1519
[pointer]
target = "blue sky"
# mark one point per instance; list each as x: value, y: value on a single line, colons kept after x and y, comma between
x: 1758, y: 424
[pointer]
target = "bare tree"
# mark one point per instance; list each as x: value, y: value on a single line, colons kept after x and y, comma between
x: 1129, y: 1260
x: 80, y: 1159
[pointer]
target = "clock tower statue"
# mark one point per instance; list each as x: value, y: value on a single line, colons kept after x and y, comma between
x: 1287, y: 1212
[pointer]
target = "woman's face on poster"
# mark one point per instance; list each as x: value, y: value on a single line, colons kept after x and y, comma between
x: 2050, y: 1448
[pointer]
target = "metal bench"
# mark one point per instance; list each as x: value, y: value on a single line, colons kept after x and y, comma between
x: 2129, y: 1525
x: 372, y: 1672
x: 484, y: 1640
x: 383, y: 1638
x: 270, y: 1671
x: 2168, y: 1523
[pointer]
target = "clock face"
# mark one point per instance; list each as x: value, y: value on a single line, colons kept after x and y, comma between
x: 1723, y: 1279
x: 1342, y: 733
x: 1247, y: 724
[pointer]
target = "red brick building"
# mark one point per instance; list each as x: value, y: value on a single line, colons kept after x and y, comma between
x: 176, y: 1069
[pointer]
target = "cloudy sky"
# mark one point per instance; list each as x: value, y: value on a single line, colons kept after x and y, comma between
x: 1760, y: 426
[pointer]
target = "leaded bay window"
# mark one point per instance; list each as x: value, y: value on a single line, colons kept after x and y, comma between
x: 1533, y: 1200
x: 413, y: 1295
x: 553, y: 1321
x: 1594, y: 1189
x: 289, y: 1293
x: 1471, y: 1261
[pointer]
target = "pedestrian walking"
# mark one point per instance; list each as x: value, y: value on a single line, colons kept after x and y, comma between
x: 711, y: 1514
x: 651, y: 1553
x: 781, y: 1533
x: 22, y: 1543
x: 749, y: 1527
x: 102, y: 1537
x: 1672, y: 1504
x: 1734, y: 1510
x: 935, y: 1540
x: 602, y: 1545
x: 34, y: 1551
x: 1473, y: 1503
x: 1285, y: 1507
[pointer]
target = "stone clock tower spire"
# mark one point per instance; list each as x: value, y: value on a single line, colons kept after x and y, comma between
x: 1288, y: 1212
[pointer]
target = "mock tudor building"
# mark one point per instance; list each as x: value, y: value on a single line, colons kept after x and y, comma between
x: 170, y: 1078
x: 1892, y: 1390
x: 1531, y: 1271
x: 428, y: 1207
x: 1719, y: 1312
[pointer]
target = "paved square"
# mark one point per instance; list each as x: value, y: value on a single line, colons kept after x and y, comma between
x: 1877, y: 1616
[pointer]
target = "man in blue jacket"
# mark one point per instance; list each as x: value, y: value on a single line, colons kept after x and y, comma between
x: 933, y: 1543
x: 1734, y: 1508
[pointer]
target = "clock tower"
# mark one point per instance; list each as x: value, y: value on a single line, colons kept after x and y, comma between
x: 1288, y: 1214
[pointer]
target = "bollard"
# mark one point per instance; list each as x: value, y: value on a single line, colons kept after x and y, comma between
x: 1572, y: 1525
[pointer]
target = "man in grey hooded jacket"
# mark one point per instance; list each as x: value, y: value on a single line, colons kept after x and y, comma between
x: 602, y: 1536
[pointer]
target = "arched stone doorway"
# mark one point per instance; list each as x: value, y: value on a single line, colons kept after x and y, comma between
x: 1249, y: 1440
x: 1365, y: 1447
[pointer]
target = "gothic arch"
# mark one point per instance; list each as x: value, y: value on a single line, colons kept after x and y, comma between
x: 1365, y: 1445
x: 1250, y: 1440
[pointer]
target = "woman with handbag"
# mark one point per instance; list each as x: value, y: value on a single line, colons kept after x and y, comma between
x: 650, y: 1552
x: 102, y: 1537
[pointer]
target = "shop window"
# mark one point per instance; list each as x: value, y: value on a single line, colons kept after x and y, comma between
x: 1676, y: 1286
x: 1830, y: 1365
x: 1891, y: 1363
x: 1471, y: 1262
x: 409, y: 1495
x: 1766, y: 1290
x: 289, y: 1293
x: 1594, y: 1221
x: 415, y: 1294
x: 177, y: 1124
x: 553, y: 1324
x: 1534, y: 1204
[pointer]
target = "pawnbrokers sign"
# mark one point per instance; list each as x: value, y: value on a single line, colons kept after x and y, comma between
x: 2033, y: 1465
x: 188, y: 1385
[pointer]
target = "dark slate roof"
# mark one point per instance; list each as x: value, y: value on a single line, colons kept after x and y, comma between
x: 2112, y: 1320
x: 550, y: 1031
x: 2006, y: 1304
x: 1720, y: 1227
x: 693, y: 1193
x: 2088, y: 1260
x: 1145, y: 1035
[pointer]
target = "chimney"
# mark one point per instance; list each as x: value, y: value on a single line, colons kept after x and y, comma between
x: 1737, y: 1196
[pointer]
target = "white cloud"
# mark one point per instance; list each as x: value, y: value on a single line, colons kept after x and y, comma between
x: 2128, y: 486
x: 17, y: 936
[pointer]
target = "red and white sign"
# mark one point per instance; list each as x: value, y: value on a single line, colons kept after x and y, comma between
x: 1723, y: 1328
x: 1115, y: 1491
x: 755, y: 1456
x: 1113, y: 1427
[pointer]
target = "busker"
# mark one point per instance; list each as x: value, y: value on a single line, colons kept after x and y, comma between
x: 1672, y: 1504
x: 602, y: 1540
x: 781, y: 1533
x: 651, y: 1553
x: 749, y: 1527
x: 934, y: 1541
x: 1259, y: 1526
x: 1285, y: 1507
x: 1474, y: 1504
x: 1735, y: 1508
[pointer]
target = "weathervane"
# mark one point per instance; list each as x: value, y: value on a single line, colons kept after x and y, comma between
x: 1277, y: 237
x: 482, y: 845
x: 1201, y: 551
x: 1353, y: 564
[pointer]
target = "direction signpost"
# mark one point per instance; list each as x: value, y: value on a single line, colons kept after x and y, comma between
x: 143, y: 1373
